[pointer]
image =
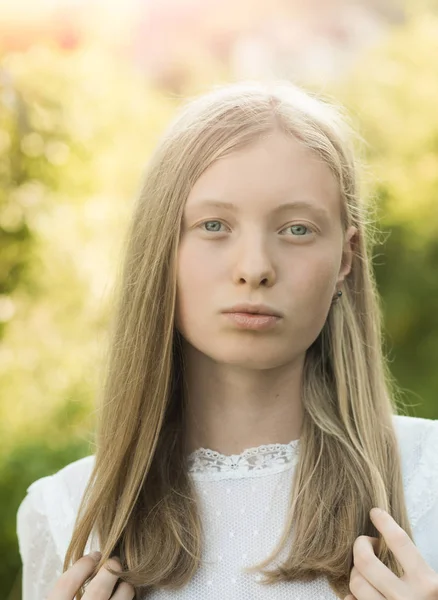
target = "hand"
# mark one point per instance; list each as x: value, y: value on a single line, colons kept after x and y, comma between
x: 99, y: 588
x: 370, y: 579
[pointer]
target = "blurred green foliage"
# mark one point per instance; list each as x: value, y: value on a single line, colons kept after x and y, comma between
x: 392, y: 95
x: 75, y: 132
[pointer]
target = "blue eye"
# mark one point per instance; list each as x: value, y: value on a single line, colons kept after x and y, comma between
x: 211, y: 230
x: 288, y: 227
x: 299, y: 225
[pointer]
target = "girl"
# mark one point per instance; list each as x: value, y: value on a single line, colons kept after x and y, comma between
x: 248, y: 420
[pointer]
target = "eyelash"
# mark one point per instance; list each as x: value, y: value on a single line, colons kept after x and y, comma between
x: 218, y: 221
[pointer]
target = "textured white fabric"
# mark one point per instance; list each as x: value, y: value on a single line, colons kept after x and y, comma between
x: 243, y: 503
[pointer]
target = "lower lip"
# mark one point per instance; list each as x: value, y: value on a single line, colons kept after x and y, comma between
x: 251, y: 321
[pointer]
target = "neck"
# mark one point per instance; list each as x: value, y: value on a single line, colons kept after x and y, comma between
x: 230, y: 408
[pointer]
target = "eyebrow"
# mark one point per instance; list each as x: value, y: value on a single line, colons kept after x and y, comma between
x: 319, y: 210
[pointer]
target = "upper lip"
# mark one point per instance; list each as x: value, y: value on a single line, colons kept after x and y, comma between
x: 259, y: 309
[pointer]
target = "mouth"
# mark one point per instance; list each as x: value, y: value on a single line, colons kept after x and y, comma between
x: 254, y: 321
x: 250, y: 314
x: 260, y: 310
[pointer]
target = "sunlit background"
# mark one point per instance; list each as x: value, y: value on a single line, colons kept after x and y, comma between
x: 86, y: 88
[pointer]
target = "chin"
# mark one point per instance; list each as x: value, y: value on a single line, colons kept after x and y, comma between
x: 248, y: 357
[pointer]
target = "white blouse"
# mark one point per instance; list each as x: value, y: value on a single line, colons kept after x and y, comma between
x: 243, y: 504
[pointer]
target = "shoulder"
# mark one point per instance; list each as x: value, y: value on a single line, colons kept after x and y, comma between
x: 418, y: 444
x: 69, y: 481
x: 412, y: 430
x: 56, y: 498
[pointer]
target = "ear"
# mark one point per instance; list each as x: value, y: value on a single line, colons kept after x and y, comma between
x: 347, y: 253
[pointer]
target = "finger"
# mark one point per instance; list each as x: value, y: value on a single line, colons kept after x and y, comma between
x: 102, y: 584
x: 399, y: 542
x: 125, y: 591
x: 374, y: 542
x: 71, y: 580
x: 373, y: 570
x: 361, y: 588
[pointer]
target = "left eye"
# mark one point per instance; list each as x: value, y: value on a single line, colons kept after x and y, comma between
x: 213, y: 231
x: 299, y: 225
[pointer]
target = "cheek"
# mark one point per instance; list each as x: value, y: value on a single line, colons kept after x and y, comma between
x: 196, y: 270
x: 313, y: 287
x: 314, y: 275
x: 196, y: 278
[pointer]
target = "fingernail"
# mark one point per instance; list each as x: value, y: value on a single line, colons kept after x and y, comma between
x: 375, y: 512
x: 96, y: 555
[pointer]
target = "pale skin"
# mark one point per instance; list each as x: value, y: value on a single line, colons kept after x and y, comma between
x: 99, y: 588
x: 244, y: 386
x: 370, y: 579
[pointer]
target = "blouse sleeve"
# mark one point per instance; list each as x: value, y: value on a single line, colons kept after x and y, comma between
x: 41, y: 565
x: 422, y: 491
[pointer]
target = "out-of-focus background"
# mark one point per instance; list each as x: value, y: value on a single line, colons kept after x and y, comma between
x: 86, y: 88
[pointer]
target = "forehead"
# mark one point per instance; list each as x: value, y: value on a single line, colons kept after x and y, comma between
x: 275, y: 171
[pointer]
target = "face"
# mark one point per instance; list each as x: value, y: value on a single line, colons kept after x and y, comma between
x: 291, y: 258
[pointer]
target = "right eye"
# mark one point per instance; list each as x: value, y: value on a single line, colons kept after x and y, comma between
x: 211, y: 230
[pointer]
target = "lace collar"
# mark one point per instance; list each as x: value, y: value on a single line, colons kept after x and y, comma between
x: 204, y: 463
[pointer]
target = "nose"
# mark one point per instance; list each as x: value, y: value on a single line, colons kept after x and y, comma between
x: 254, y: 265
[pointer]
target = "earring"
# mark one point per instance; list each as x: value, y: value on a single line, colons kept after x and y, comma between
x: 338, y: 295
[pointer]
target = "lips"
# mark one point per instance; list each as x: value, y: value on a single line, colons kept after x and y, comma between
x: 252, y: 321
x: 253, y: 309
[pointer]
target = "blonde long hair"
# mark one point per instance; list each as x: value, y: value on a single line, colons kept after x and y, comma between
x: 140, y: 498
